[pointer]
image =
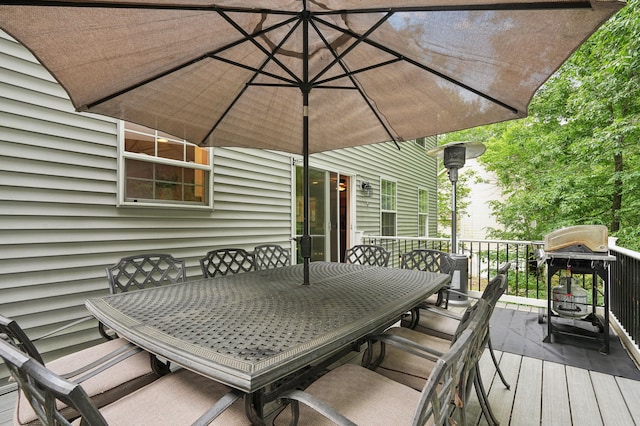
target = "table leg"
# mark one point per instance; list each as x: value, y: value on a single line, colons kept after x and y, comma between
x: 253, y: 408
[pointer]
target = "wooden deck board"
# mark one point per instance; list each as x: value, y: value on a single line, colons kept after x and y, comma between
x: 555, y: 398
x: 582, y: 398
x: 526, y: 405
x: 500, y: 398
x: 609, y: 397
x: 630, y: 390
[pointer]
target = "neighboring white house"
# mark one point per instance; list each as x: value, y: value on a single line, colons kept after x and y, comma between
x: 68, y: 207
x: 479, y: 218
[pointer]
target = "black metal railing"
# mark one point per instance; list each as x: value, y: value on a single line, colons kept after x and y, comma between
x: 526, y: 276
x: 624, y: 290
x: 485, y: 256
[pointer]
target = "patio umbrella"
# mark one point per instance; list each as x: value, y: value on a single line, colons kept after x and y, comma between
x: 303, y: 76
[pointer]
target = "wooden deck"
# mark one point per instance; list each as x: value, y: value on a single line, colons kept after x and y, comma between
x: 542, y: 393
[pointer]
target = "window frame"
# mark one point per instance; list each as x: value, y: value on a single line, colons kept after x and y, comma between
x: 423, y: 217
x: 393, y: 211
x: 124, y: 155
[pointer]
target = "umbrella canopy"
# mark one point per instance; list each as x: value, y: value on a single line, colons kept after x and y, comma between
x: 303, y: 76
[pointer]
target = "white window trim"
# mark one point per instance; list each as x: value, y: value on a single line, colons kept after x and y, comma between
x: 395, y: 225
x: 123, y: 155
x: 420, y: 214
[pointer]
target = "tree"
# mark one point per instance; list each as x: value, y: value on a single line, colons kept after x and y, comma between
x: 576, y: 158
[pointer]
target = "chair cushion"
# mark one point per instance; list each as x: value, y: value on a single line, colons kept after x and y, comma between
x: 103, y: 388
x: 437, y: 325
x: 178, y: 398
x: 363, y: 396
x: 403, y: 367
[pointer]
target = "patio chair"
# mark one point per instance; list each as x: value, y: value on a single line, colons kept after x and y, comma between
x: 352, y: 394
x: 271, y: 256
x: 371, y: 255
x: 413, y: 368
x: 143, y: 271
x: 226, y: 261
x: 106, y: 372
x: 430, y: 261
x: 443, y: 324
x: 181, y: 397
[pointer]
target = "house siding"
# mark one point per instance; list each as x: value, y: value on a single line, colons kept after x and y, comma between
x: 60, y: 225
x: 408, y: 165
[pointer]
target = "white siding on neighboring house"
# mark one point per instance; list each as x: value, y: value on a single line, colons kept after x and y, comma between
x: 479, y: 218
x: 60, y: 224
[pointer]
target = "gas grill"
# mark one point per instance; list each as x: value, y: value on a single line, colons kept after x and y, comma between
x: 576, y: 250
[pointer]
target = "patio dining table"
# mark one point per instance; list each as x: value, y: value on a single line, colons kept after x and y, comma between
x: 255, y: 329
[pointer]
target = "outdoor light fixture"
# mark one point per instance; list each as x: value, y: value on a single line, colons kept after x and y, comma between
x: 366, y: 188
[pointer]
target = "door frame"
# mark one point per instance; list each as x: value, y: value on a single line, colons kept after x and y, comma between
x: 350, y: 205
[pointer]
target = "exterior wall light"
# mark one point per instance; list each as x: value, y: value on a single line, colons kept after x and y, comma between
x: 366, y: 188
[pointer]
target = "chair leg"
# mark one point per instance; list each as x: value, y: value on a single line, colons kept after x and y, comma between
x: 495, y: 362
x: 483, y: 399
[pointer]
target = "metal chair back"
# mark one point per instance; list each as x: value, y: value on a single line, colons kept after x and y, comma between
x: 19, y: 338
x: 367, y: 255
x: 145, y: 271
x: 441, y: 389
x: 430, y: 261
x: 226, y: 261
x: 427, y: 260
x: 269, y: 256
x: 504, y: 267
x: 43, y: 389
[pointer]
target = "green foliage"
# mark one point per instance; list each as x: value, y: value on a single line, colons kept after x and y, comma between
x: 576, y: 158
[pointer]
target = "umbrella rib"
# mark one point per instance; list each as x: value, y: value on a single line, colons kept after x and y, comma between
x: 338, y: 60
x: 541, y: 5
x: 252, y: 39
x: 259, y: 71
x: 255, y: 70
x: 212, y: 55
x: 423, y: 67
x: 358, y: 71
x: 359, y: 39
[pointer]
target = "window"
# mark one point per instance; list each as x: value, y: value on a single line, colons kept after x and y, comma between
x: 159, y: 169
x: 388, y: 207
x: 421, y: 142
x: 423, y: 213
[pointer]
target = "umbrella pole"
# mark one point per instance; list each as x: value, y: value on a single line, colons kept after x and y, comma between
x: 305, y: 243
x: 454, y: 230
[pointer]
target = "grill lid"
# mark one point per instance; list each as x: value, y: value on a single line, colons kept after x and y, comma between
x: 579, y: 238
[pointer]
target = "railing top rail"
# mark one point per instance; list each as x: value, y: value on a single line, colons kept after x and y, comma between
x: 386, y: 237
x: 391, y: 237
x: 630, y: 253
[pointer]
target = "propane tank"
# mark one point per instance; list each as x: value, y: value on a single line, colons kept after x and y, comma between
x: 570, y: 300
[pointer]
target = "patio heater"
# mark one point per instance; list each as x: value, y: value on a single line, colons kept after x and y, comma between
x: 454, y: 155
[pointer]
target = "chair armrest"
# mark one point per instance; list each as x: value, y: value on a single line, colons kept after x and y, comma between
x: 64, y: 327
x: 316, y: 404
x: 441, y: 312
x: 463, y: 294
x: 218, y: 408
x: 102, y: 363
x: 408, y: 346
